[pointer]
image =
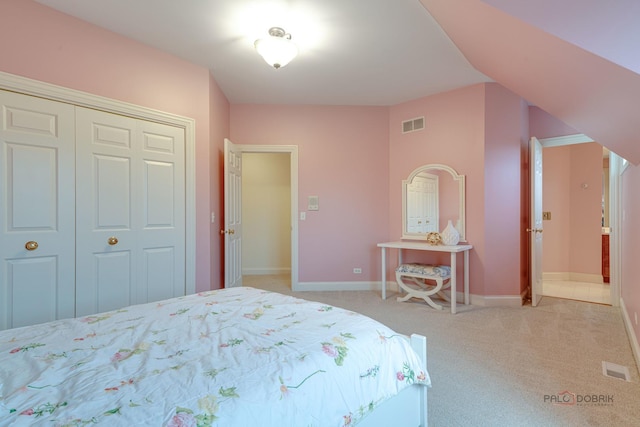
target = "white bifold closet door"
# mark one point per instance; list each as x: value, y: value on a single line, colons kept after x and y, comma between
x: 102, y: 195
x: 37, y: 210
x: 130, y: 212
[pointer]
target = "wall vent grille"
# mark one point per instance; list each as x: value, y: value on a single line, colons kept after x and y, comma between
x: 615, y: 371
x: 413, y: 125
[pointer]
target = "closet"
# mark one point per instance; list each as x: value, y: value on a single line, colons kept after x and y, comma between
x: 92, y: 211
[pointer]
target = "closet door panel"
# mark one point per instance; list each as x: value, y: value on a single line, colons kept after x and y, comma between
x: 37, y: 230
x: 162, y: 238
x: 106, y: 210
x: 131, y: 200
x: 113, y: 278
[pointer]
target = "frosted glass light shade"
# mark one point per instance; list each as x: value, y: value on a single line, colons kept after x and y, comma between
x: 276, y: 51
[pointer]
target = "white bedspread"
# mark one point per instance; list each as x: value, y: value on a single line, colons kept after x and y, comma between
x: 236, y: 357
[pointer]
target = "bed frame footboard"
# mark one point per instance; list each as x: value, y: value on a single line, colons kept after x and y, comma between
x: 409, y: 407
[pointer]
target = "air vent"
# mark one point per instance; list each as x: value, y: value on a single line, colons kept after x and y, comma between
x: 615, y: 371
x: 413, y: 125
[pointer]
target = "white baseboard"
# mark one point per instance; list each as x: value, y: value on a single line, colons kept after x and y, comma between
x: 572, y: 277
x: 497, y: 300
x: 633, y: 339
x: 265, y: 271
x: 343, y: 286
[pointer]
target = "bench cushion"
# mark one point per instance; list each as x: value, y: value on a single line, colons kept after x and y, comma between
x: 443, y: 271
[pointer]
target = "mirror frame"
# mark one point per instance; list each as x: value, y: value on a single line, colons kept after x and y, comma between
x: 461, y: 199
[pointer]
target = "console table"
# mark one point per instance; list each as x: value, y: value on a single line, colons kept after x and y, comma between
x: 423, y: 246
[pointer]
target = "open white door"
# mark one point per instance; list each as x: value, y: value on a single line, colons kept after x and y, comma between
x: 232, y: 215
x: 535, y: 221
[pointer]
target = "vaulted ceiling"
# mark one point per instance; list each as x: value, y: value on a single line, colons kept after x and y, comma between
x: 575, y: 59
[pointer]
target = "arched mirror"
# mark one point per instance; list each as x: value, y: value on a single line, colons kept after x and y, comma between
x: 432, y: 196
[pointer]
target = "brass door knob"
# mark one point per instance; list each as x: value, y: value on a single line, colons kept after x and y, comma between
x: 112, y: 240
x: 31, y: 245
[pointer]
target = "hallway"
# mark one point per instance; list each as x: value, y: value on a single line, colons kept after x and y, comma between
x: 598, y: 293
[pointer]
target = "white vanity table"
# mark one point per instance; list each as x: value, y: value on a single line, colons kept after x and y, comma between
x: 424, y: 246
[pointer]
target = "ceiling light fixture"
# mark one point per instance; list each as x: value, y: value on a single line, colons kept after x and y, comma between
x: 277, y: 49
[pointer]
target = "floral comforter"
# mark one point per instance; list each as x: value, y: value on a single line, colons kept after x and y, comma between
x: 234, y: 357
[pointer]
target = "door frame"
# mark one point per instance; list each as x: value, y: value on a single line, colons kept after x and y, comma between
x: 292, y: 150
x: 52, y: 92
x: 615, y: 209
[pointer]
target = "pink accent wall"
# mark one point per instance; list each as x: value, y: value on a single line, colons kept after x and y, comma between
x: 343, y: 159
x: 572, y: 238
x: 40, y: 43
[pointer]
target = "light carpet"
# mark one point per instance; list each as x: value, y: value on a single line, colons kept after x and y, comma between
x: 509, y: 366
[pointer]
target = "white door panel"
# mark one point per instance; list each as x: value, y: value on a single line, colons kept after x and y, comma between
x: 105, y: 211
x: 535, y: 230
x: 162, y: 230
x: 37, y: 205
x: 232, y: 214
x: 133, y: 190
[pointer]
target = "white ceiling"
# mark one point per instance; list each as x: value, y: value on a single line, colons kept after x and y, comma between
x: 351, y: 52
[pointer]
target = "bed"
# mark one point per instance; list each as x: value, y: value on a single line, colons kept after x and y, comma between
x: 232, y: 357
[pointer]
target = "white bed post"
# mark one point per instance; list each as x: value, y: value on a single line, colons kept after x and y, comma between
x: 419, y: 345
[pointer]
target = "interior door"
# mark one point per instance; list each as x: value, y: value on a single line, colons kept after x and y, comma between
x: 232, y: 215
x: 37, y: 218
x: 130, y: 212
x: 535, y: 228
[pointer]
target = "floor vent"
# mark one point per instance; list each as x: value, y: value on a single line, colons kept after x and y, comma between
x: 413, y: 125
x: 615, y: 371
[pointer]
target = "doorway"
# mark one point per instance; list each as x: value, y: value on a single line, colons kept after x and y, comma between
x: 269, y: 207
x: 573, y: 212
x: 266, y: 216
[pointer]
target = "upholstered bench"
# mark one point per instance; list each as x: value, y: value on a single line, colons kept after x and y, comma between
x: 418, y: 275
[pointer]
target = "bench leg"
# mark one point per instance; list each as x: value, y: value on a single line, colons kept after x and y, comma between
x: 419, y: 293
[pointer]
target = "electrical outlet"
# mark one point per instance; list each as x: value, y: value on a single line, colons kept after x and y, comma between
x: 357, y: 270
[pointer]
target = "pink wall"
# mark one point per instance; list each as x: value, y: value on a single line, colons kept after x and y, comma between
x: 549, y: 71
x: 42, y: 44
x: 572, y: 238
x: 544, y: 125
x: 342, y: 160
x: 478, y: 131
x: 556, y: 176
x: 586, y: 208
x: 630, y: 282
x: 505, y: 124
x: 454, y: 124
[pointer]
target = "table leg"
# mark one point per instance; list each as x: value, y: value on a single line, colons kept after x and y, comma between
x: 454, y: 294
x: 384, y: 274
x: 466, y: 278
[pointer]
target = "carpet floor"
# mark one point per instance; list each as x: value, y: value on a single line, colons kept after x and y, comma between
x: 509, y: 366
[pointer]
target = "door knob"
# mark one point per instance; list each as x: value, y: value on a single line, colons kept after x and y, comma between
x: 534, y: 230
x: 230, y: 231
x: 112, y: 240
x: 31, y: 245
